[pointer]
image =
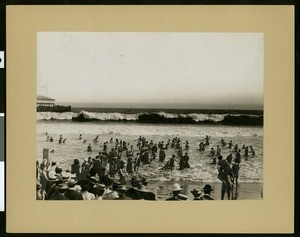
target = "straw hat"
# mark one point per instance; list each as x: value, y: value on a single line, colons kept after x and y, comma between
x: 65, y: 177
x: 182, y: 197
x: 62, y: 186
x: 176, y: 187
x: 142, y: 188
x: 52, y: 179
x: 71, y: 182
x: 196, y: 191
x: 99, y: 186
x: 93, y: 179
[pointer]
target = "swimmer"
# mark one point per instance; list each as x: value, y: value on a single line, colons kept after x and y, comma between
x: 206, y: 141
x: 218, y: 151
x: 246, y: 153
x: 223, y: 142
x: 89, y: 148
x: 96, y: 139
x: 252, y: 151
x: 236, y: 148
x: 212, y: 152
x: 187, y: 145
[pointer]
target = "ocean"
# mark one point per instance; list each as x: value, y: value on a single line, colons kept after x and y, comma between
x: 127, y: 126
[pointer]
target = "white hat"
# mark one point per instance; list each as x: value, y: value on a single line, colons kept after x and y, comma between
x: 176, y: 187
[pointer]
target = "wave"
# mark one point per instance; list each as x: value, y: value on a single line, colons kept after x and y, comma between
x: 157, y: 118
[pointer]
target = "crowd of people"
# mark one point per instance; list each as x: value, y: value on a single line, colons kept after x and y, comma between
x: 108, y: 177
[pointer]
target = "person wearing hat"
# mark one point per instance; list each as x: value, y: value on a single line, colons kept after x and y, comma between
x: 71, y: 193
x: 121, y: 189
x: 148, y: 195
x: 109, y: 194
x: 207, y: 190
x: 99, y: 190
x: 142, y: 192
x: 176, y: 190
x: 132, y: 192
x: 196, y: 193
x: 86, y: 195
x: 53, y: 181
x: 64, y: 177
x: 61, y: 191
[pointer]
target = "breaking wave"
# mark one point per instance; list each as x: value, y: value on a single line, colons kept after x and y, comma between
x: 156, y: 118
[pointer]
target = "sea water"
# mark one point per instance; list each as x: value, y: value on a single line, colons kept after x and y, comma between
x: 251, y: 170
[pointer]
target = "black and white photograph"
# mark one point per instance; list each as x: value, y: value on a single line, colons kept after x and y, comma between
x: 155, y: 116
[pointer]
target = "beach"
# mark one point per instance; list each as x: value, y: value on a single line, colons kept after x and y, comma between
x: 201, y: 171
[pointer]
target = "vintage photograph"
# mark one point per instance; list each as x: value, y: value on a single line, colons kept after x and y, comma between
x: 149, y: 116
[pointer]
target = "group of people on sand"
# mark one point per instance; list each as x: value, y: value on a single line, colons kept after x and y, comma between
x: 59, y: 186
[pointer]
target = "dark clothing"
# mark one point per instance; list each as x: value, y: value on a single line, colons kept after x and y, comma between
x: 133, y: 194
x: 58, y: 196
x: 207, y: 197
x: 129, y: 165
x: 181, y: 164
x: 162, y: 155
x: 237, y: 158
x: 73, y: 195
x: 235, y: 170
x: 149, y: 196
x: 75, y: 169
x: 123, y: 197
x: 225, y: 166
x: 146, y: 158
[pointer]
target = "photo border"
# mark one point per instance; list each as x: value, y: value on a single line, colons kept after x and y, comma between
x: 277, y: 25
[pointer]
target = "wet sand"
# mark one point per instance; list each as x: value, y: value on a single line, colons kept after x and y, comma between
x: 245, y: 191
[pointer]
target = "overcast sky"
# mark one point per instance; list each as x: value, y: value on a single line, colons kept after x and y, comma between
x: 192, y: 70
